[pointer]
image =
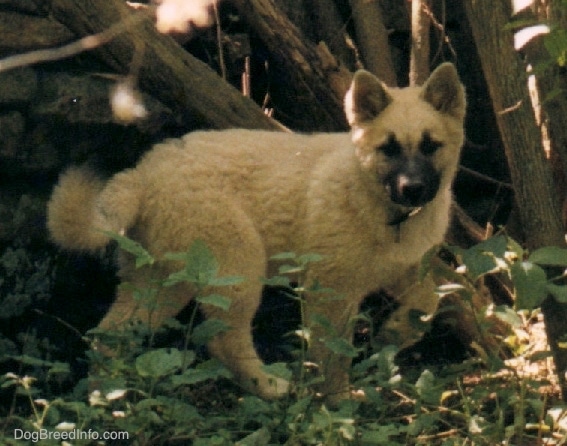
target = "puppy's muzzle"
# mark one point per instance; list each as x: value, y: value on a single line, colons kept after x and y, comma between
x: 413, y: 184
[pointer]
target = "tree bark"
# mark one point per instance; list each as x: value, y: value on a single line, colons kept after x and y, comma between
x: 549, y: 82
x: 530, y: 171
x: 41, y: 32
x: 189, y: 87
x: 331, y: 30
x: 419, y: 57
x: 372, y: 38
x: 299, y: 58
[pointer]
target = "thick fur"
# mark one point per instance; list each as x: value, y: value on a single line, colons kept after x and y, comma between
x: 252, y: 194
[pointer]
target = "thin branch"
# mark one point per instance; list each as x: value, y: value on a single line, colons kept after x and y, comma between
x: 219, y: 40
x: 419, y: 58
x: 485, y: 178
x: 85, y: 44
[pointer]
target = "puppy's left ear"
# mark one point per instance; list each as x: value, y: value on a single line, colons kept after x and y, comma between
x: 444, y: 91
x: 366, y: 98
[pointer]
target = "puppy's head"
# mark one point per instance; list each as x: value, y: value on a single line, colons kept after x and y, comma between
x: 408, y: 140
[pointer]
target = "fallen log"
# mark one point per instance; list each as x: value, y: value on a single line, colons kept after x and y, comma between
x: 195, y: 93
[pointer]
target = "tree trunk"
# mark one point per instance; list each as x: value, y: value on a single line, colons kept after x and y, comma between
x: 331, y: 30
x: 419, y: 57
x: 549, y: 82
x: 189, y: 87
x: 530, y: 171
x: 372, y: 38
x: 299, y: 58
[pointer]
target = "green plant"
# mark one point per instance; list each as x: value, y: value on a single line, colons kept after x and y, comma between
x: 172, y: 395
x: 527, y: 271
x: 532, y: 276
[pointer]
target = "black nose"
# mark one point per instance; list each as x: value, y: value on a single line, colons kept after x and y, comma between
x: 411, y: 189
x: 411, y: 192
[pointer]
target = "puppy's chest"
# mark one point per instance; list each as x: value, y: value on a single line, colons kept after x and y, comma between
x: 402, y: 246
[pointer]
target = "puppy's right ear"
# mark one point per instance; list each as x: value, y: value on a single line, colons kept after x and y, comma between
x: 444, y: 91
x: 366, y: 98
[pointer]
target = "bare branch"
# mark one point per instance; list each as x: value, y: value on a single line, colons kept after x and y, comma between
x: 71, y: 49
x: 419, y: 59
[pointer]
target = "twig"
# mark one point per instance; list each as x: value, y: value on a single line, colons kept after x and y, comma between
x: 219, y: 40
x: 67, y: 325
x: 85, y: 44
x: 485, y: 178
x: 438, y: 436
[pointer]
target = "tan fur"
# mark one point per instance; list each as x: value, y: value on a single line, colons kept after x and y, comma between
x: 252, y: 194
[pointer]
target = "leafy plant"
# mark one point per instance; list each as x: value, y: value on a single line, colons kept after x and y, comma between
x: 532, y: 274
x: 173, y: 395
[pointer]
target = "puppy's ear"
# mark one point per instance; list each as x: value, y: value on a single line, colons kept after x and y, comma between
x: 444, y: 91
x: 366, y: 98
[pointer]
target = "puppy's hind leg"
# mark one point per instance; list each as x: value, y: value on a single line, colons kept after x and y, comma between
x: 235, y: 349
x: 240, y: 251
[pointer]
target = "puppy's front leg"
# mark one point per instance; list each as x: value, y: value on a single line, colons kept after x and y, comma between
x: 411, y: 295
x: 331, y: 325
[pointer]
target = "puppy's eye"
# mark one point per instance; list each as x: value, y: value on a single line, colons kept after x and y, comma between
x: 429, y: 146
x: 391, y: 148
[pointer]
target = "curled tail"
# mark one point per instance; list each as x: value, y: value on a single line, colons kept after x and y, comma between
x: 82, y: 206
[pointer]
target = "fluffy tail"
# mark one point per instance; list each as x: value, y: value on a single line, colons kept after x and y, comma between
x: 82, y: 206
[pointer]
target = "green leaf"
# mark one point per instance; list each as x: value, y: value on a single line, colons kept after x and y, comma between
x: 192, y: 376
x: 559, y: 292
x: 177, y: 277
x: 479, y: 263
x: 276, y: 281
x: 386, y: 361
x: 300, y: 406
x: 341, y: 346
x: 530, y: 282
x: 556, y: 44
x: 207, y: 330
x: 158, y: 363
x: 201, y: 267
x: 427, y: 389
x: 32, y: 361
x: 381, y: 435
x: 211, y: 369
x: 323, y: 321
x: 226, y: 281
x: 481, y: 258
x: 148, y: 403
x: 278, y: 369
x: 142, y: 256
x: 216, y: 300
x: 496, y: 245
x: 549, y: 256
x: 427, y: 262
x: 59, y: 368
x: 258, y: 438
x: 251, y: 406
x: 516, y: 248
x: 283, y: 256
x: 507, y: 315
x: 305, y: 259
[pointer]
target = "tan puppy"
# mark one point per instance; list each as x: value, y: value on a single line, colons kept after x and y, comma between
x: 252, y: 194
